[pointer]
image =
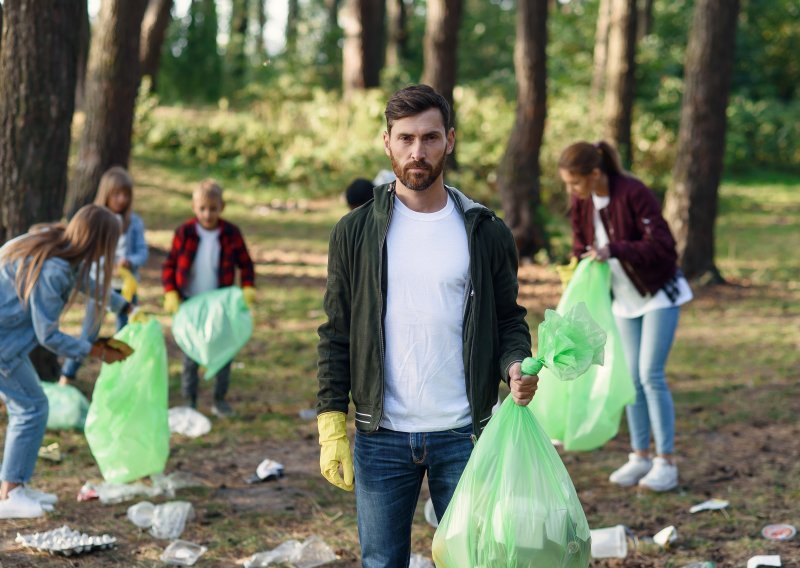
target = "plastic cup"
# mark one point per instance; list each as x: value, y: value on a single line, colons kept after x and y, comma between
x: 611, y: 542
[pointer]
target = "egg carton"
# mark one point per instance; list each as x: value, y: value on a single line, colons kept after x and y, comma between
x: 65, y: 541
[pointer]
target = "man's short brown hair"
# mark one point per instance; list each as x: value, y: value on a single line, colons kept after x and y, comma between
x: 414, y: 100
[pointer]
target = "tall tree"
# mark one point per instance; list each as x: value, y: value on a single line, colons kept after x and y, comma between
x: 620, y: 76
x: 111, y: 87
x: 154, y: 28
x: 236, y: 51
x: 362, y: 53
x: 398, y: 32
x: 85, y: 39
x: 442, y: 22
x: 691, y: 203
x: 600, y: 53
x: 292, y: 21
x: 261, y: 17
x: 518, y: 174
x: 644, y: 22
x: 37, y: 96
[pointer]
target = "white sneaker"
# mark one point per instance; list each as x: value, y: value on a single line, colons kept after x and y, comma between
x: 630, y: 473
x: 40, y: 496
x: 19, y: 506
x: 662, y: 477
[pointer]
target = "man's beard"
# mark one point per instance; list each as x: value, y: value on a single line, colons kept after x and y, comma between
x: 418, y: 181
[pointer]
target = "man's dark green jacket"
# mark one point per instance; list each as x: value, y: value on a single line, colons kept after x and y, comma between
x: 352, y: 343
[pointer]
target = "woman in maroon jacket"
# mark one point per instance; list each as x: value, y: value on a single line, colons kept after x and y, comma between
x: 617, y: 219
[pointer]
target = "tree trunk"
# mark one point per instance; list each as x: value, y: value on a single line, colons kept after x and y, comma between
x: 37, y: 98
x: 691, y: 202
x: 442, y: 22
x: 235, y: 53
x: 362, y: 22
x: 518, y: 174
x: 398, y: 32
x: 292, y: 19
x: 620, y: 77
x: 85, y: 39
x: 111, y: 87
x: 154, y: 27
x: 644, y: 23
x: 261, y: 43
x: 600, y: 53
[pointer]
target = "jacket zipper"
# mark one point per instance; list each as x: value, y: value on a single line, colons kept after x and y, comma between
x: 468, y: 310
x: 626, y: 266
x: 383, y: 308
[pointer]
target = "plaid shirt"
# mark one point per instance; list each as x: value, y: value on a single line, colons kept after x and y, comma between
x: 176, y: 271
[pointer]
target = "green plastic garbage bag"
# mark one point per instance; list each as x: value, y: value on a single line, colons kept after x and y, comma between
x: 127, y: 427
x: 515, y: 505
x: 211, y: 328
x: 68, y: 407
x: 584, y: 414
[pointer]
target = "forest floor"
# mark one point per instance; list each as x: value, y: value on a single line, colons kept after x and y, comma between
x: 734, y: 373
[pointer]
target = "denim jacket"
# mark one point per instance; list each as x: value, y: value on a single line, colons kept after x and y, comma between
x: 135, y: 246
x: 23, y: 326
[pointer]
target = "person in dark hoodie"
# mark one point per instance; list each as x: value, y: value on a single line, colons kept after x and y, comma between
x: 617, y: 219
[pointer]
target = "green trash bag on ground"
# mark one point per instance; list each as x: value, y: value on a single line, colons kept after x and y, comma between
x: 515, y: 505
x: 585, y: 414
x: 211, y: 328
x: 128, y: 427
x: 68, y: 407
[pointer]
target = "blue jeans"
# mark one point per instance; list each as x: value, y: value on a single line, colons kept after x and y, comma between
x: 27, y: 409
x: 389, y: 468
x: 646, y: 341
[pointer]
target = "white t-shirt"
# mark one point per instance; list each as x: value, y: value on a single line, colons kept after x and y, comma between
x: 204, y: 275
x: 628, y: 302
x: 428, y: 272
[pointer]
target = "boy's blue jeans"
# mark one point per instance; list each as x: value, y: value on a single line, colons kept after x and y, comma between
x: 27, y: 409
x: 646, y: 341
x: 389, y: 468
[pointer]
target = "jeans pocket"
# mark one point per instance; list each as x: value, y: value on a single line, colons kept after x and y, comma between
x: 463, y: 432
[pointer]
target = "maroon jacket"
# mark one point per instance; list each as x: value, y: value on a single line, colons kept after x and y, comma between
x: 639, y: 237
x: 233, y: 252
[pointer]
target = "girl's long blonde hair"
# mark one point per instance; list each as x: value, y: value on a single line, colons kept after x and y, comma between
x: 90, y: 239
x: 116, y: 180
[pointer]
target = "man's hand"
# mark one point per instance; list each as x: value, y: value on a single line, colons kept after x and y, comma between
x: 335, y: 451
x: 523, y: 387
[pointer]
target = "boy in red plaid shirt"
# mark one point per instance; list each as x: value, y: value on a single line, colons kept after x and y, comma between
x: 206, y: 251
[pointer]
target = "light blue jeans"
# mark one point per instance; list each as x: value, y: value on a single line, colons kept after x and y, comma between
x: 27, y: 409
x: 646, y: 341
x: 389, y: 467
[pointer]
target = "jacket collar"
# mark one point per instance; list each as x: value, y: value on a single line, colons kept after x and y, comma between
x: 469, y: 209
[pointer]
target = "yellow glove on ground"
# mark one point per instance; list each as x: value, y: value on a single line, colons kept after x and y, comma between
x: 249, y: 294
x: 172, y: 301
x: 129, y: 284
x: 566, y: 271
x: 335, y: 449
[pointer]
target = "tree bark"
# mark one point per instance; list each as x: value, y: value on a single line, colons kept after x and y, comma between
x: 620, y: 77
x: 154, y: 28
x: 85, y: 39
x: 398, y: 32
x: 644, y: 24
x: 518, y: 174
x: 235, y: 53
x: 112, y: 84
x: 362, y: 22
x: 292, y: 19
x: 691, y: 202
x: 37, y: 99
x: 600, y: 53
x: 442, y: 22
x: 261, y: 12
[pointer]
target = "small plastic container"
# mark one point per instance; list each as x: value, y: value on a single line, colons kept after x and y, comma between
x: 182, y: 553
x: 610, y: 542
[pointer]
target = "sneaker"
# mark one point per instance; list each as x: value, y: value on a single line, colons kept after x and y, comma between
x: 662, y: 477
x: 630, y: 473
x: 40, y: 496
x: 19, y: 506
x: 222, y: 409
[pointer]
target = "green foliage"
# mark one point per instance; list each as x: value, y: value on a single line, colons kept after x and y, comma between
x: 765, y: 132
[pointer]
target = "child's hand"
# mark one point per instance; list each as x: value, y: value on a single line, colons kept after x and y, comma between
x: 124, y: 263
x: 172, y: 301
x: 249, y: 294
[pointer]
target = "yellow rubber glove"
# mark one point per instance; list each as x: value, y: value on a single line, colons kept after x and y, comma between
x: 249, y: 296
x: 129, y: 284
x: 172, y: 301
x: 566, y: 271
x: 335, y: 450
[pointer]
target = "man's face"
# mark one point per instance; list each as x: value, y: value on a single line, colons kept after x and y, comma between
x: 208, y: 211
x: 417, y: 146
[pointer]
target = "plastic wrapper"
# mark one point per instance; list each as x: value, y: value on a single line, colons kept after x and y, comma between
x: 68, y: 407
x: 188, y: 422
x: 211, y: 328
x: 310, y: 553
x: 127, y: 426
x: 584, y: 414
x: 169, y: 519
x: 182, y: 553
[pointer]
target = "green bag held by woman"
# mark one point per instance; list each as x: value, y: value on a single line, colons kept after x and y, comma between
x: 128, y: 427
x: 211, y: 328
x: 585, y: 414
x: 68, y: 407
x: 515, y: 505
